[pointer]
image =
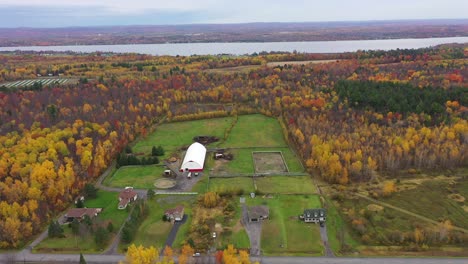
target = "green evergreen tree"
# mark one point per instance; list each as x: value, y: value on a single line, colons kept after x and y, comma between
x: 101, y: 236
x: 90, y: 191
x: 55, y: 229
x: 75, y: 226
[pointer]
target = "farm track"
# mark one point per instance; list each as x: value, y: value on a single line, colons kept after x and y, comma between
x: 407, y: 212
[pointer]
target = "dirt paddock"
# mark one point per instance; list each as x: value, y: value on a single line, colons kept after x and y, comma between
x: 269, y: 162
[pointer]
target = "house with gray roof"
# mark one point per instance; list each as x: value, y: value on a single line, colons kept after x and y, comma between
x: 258, y: 213
x: 316, y: 215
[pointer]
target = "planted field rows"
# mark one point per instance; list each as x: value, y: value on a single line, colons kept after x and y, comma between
x: 44, y: 82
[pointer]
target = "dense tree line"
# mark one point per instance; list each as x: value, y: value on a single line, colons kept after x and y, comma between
x: 387, y: 97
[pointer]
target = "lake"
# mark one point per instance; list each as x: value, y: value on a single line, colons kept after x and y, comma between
x: 186, y: 49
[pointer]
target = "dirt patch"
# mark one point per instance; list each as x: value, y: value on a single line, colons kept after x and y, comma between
x: 172, y: 159
x: 374, y: 208
x: 165, y: 183
x: 219, y: 165
x: 218, y: 227
x: 222, y: 154
x: 205, y: 140
x: 269, y: 162
x: 237, y: 227
x: 465, y: 207
x: 457, y: 197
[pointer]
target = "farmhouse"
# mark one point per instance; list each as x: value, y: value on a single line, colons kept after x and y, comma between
x: 127, y: 196
x: 314, y: 215
x: 258, y: 213
x: 175, y: 214
x: 194, y: 158
x: 79, y: 213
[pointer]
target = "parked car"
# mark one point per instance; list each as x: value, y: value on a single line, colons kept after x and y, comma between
x: 189, y: 175
x: 196, y: 254
x: 214, y: 234
x: 196, y: 174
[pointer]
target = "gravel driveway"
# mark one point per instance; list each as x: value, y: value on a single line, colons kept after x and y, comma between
x: 254, y: 231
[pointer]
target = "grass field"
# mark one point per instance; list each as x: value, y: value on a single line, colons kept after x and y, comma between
x: 142, y: 177
x: 232, y: 184
x: 256, y: 131
x: 429, y: 199
x: 283, y: 233
x: 245, y: 68
x: 234, y: 232
x: 172, y: 136
x: 433, y: 202
x: 243, y: 161
x: 336, y: 229
x: 286, y: 185
x: 282, y: 63
x: 71, y: 243
x: 153, y: 231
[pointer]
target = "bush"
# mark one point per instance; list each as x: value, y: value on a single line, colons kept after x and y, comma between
x: 101, y: 237
x: 75, y: 227
x: 90, y: 191
x: 110, y: 227
x: 55, y: 230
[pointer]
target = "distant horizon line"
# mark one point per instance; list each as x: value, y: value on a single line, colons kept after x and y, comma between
x: 250, y: 23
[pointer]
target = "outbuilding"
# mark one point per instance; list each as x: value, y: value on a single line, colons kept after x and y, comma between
x: 194, y: 159
x: 258, y: 213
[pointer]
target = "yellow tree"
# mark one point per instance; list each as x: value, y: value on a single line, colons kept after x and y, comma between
x: 185, y: 254
x: 388, y: 188
x: 210, y: 199
x: 141, y: 255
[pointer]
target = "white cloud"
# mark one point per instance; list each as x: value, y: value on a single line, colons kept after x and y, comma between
x: 225, y: 11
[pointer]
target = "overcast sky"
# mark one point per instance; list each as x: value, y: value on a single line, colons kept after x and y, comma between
x: 63, y: 13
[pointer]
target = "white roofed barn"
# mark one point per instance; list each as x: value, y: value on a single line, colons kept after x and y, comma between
x: 194, y: 158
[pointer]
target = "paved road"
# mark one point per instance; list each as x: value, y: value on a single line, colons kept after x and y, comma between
x: 254, y: 231
x: 25, y: 256
x: 325, y: 260
x: 324, y: 236
x: 175, y: 228
x: 104, y: 259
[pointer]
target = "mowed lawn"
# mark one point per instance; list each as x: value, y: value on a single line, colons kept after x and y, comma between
x: 71, y: 243
x: 256, y: 131
x: 142, y: 177
x: 232, y: 184
x: 172, y: 136
x: 283, y: 233
x: 153, y: 231
x: 286, y: 185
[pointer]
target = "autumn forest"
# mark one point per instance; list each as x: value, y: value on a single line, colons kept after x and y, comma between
x: 352, y: 118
